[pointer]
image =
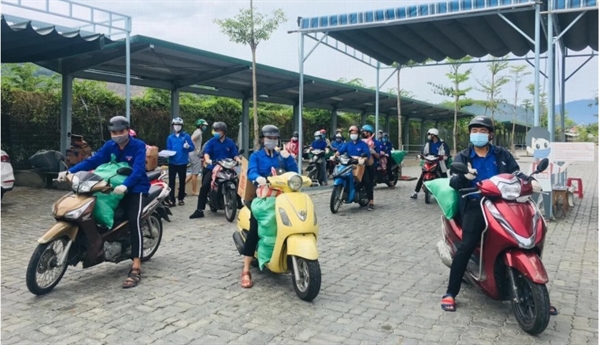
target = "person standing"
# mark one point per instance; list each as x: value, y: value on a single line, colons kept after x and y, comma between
x: 292, y: 145
x: 196, y: 155
x: 182, y: 144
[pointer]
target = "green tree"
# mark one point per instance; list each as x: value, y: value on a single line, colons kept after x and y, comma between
x: 354, y: 82
x: 493, y: 87
x: 527, y: 105
x: 250, y: 29
x: 29, y: 77
x: 517, y: 76
x: 543, y: 106
x: 457, y: 79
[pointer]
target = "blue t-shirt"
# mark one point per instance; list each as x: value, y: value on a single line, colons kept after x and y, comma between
x: 337, y: 144
x: 386, y: 147
x: 218, y: 150
x: 355, y: 148
x: 486, y: 166
x: 319, y: 144
x: 260, y: 164
x: 434, y: 148
x: 175, y: 143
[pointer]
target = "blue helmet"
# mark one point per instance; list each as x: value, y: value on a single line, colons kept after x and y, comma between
x: 368, y: 128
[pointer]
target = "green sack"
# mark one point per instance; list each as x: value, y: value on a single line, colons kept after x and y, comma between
x: 106, y: 204
x: 398, y: 156
x: 446, y: 196
x: 263, y: 210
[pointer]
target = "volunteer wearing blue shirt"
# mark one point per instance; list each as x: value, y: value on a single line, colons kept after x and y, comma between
x: 182, y: 144
x: 484, y: 161
x: 259, y: 168
x: 386, y: 147
x: 133, y: 151
x: 219, y: 147
x: 320, y: 144
x: 437, y: 147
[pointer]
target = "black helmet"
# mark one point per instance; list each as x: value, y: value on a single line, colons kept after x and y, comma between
x: 385, y: 135
x: 118, y: 123
x: 482, y: 121
x: 220, y: 126
x: 295, y: 134
x: 269, y: 131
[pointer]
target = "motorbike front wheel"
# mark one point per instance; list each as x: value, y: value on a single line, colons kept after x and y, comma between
x: 427, y: 197
x: 152, y: 232
x: 337, y: 197
x: 532, y: 306
x: 230, y: 203
x: 44, y: 271
x: 308, y: 284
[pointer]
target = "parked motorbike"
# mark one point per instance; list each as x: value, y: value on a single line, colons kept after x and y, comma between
x: 507, y: 265
x: 381, y: 173
x: 314, y: 165
x: 224, y: 194
x: 346, y: 188
x: 431, y: 171
x: 77, y: 238
x: 297, y: 230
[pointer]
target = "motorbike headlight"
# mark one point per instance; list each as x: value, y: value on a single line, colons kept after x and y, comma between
x: 510, y: 191
x: 295, y: 182
x: 76, y: 213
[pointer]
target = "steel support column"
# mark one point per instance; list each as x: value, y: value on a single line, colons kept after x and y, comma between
x: 563, y: 70
x: 551, y: 70
x: 66, y: 112
x: 295, y: 117
x: 128, y: 72
x: 300, y: 98
x: 377, y: 97
x: 174, y: 103
x: 536, y: 74
x: 334, y: 118
x: 246, y: 126
x: 406, y: 132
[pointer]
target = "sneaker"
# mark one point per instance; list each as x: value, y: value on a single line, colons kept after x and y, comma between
x: 197, y: 214
x: 371, y: 207
x: 414, y: 195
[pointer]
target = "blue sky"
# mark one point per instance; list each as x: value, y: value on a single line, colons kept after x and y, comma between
x: 191, y: 23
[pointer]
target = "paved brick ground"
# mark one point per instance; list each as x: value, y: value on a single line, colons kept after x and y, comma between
x: 382, y: 282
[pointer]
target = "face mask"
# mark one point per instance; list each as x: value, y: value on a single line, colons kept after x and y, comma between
x: 270, y: 144
x: 365, y: 135
x: 479, y: 139
x: 294, y: 139
x: 203, y: 128
x: 354, y: 137
x: 338, y: 139
x: 217, y: 135
x: 541, y: 153
x: 429, y: 137
x: 177, y: 128
x: 120, y: 139
x: 317, y: 138
x: 385, y: 140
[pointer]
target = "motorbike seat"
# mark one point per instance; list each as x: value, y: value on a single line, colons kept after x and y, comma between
x: 153, y: 193
x: 153, y: 175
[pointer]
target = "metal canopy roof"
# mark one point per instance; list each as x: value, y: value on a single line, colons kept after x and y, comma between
x: 160, y: 64
x: 455, y: 29
x: 22, y: 42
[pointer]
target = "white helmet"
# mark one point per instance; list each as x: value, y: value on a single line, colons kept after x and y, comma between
x: 318, y: 134
x: 434, y: 131
x: 177, y: 121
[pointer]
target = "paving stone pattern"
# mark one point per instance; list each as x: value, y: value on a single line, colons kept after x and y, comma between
x: 382, y: 283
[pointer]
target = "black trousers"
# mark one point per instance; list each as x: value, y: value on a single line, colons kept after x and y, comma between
x: 252, y: 237
x: 177, y: 170
x: 204, y: 189
x: 420, y: 181
x: 473, y: 224
x: 369, y: 180
x: 134, y: 204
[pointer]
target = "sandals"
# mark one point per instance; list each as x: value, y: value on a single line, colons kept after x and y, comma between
x: 247, y: 280
x: 553, y: 310
x: 133, y: 278
x: 448, y: 303
x: 181, y: 203
x: 169, y: 203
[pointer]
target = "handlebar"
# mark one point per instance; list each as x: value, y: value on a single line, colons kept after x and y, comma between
x: 468, y: 190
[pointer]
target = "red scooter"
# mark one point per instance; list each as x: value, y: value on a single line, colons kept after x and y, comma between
x: 431, y: 171
x: 507, y: 265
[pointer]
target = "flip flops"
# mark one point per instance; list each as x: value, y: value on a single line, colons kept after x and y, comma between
x: 448, y: 303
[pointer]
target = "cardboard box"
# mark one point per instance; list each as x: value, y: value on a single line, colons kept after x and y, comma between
x: 79, y: 150
x: 151, y: 158
x: 246, y: 189
x: 358, y: 172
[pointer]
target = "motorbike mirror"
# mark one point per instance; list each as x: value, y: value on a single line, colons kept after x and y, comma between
x: 125, y: 171
x: 460, y: 167
x: 241, y: 152
x: 543, y: 165
x: 364, y: 155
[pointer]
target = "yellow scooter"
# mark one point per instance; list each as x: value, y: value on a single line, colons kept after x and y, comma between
x: 297, y: 229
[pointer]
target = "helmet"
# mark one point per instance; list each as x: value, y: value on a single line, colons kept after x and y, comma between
x: 177, y: 121
x: 318, y: 133
x: 368, y: 128
x: 323, y: 131
x: 434, y: 131
x: 482, y: 121
x: 219, y: 126
x: 269, y: 131
x: 353, y: 128
x: 201, y: 122
x: 339, y: 130
x: 338, y: 135
x: 295, y: 134
x: 132, y: 132
x: 118, y: 123
x: 380, y: 131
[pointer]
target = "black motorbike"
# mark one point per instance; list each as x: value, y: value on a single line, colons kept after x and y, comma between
x: 224, y: 194
x: 381, y: 173
x: 314, y: 165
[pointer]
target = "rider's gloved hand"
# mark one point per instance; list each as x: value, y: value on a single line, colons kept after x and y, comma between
x: 472, y: 173
x: 537, y: 188
x: 209, y: 162
x: 362, y: 160
x: 261, y: 181
x: 120, y: 190
x: 284, y: 154
x: 186, y: 145
x: 62, y: 176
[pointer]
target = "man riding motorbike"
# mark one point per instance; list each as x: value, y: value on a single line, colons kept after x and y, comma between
x: 484, y: 161
x: 133, y: 151
x: 356, y: 148
x: 321, y: 144
x: 379, y: 134
x: 437, y: 147
x: 219, y: 147
x: 385, y: 148
x: 259, y: 168
x: 336, y: 144
x: 292, y: 145
x: 369, y: 178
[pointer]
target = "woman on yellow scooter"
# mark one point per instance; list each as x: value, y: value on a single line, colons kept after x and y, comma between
x: 259, y: 168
